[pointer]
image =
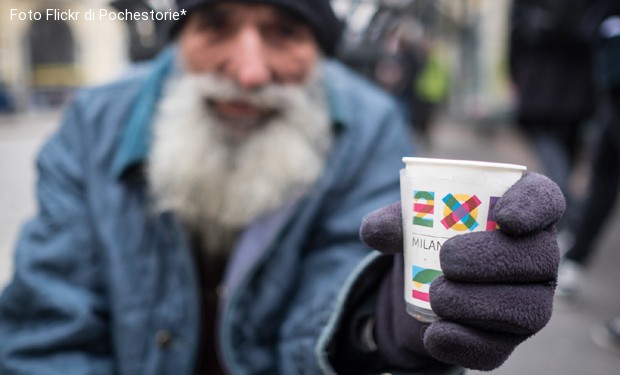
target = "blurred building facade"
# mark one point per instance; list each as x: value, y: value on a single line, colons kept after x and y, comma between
x: 43, y: 60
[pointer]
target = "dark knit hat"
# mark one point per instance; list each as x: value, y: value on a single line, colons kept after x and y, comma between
x: 317, y: 13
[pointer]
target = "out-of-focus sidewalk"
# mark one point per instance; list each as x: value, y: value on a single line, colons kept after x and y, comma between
x: 563, y: 347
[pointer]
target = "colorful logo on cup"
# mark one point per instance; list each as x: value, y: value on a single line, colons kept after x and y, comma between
x: 422, y: 279
x: 423, y: 205
x: 460, y: 211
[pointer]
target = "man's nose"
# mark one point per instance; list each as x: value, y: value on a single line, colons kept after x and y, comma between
x: 248, y: 66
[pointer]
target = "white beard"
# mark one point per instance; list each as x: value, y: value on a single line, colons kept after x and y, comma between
x: 218, y: 186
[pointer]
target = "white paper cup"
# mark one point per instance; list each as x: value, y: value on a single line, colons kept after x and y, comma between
x: 440, y: 199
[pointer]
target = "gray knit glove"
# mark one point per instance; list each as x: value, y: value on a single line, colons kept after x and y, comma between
x: 497, y: 289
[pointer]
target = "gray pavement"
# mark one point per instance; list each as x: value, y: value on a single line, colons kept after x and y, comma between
x: 20, y: 138
x: 563, y: 347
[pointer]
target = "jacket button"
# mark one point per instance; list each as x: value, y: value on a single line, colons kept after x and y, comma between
x: 221, y: 291
x: 164, y: 339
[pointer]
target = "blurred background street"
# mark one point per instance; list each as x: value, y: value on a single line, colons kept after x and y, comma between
x: 445, y: 61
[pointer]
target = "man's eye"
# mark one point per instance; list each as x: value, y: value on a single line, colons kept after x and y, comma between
x: 214, y: 23
x: 283, y: 31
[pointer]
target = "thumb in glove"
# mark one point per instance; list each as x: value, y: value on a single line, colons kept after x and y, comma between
x: 497, y: 288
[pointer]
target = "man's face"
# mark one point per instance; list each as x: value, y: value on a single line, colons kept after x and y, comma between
x: 253, y: 46
x: 247, y: 117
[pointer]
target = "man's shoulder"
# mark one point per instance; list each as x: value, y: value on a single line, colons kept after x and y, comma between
x: 354, y: 99
x: 353, y: 84
x: 100, y: 114
x: 119, y: 90
x: 105, y: 110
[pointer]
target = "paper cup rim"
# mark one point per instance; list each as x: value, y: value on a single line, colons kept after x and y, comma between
x: 464, y: 163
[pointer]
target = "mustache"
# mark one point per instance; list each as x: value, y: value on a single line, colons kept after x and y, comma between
x: 265, y: 113
x: 274, y: 98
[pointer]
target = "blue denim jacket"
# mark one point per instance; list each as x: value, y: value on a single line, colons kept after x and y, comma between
x: 103, y: 285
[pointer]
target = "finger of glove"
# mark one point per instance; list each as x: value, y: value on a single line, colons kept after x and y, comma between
x: 510, y: 308
x: 469, y: 347
x: 382, y: 229
x: 493, y: 256
x: 531, y: 204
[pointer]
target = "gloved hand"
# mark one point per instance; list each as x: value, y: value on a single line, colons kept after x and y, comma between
x: 496, y: 291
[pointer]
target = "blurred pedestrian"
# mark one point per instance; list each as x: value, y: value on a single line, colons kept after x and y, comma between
x: 204, y: 217
x: 550, y: 65
x: 602, y: 26
x: 398, y: 64
x: 431, y: 86
x: 412, y: 68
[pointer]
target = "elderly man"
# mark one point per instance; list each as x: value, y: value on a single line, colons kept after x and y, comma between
x: 204, y: 217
